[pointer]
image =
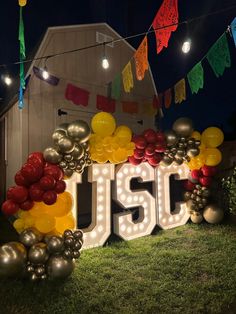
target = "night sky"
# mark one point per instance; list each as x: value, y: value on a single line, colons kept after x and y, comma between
x: 213, y: 105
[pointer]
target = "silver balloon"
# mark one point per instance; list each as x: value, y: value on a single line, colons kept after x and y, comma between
x: 167, y: 160
x: 59, y: 267
x: 38, y: 253
x: 62, y: 127
x: 89, y: 162
x: 51, y: 155
x: 40, y: 270
x: 78, y: 152
x: 191, y: 142
x: 180, y: 152
x: 86, y: 146
x: 79, y: 130
x: 13, y: 258
x: 193, y: 152
x: 30, y: 236
x: 171, y: 138
x: 179, y: 161
x: 66, y: 145
x: 79, y: 168
x: 187, y: 195
x: 68, y: 157
x: 191, y: 205
x: 55, y: 244
x: 68, y: 172
x: 78, y: 234
x: 68, y: 233
x: 63, y: 164
x: 76, y: 254
x: 72, y: 165
x: 183, y: 127
x: 57, y: 135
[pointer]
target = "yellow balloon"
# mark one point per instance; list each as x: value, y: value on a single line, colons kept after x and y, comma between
x: 65, y: 222
x: 38, y: 209
x: 196, y: 135
x: 102, y: 159
x: 29, y: 221
x: 212, y: 137
x: 19, y: 225
x: 120, y: 155
x: 45, y: 223
x: 103, y: 124
x: 124, y: 134
x: 213, y: 156
x: 62, y: 206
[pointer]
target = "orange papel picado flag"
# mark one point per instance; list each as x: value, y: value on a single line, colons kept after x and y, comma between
x: 127, y: 76
x: 141, y: 59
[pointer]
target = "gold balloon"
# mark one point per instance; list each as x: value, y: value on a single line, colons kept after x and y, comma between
x: 213, y: 214
x: 65, y: 222
x: 196, y: 218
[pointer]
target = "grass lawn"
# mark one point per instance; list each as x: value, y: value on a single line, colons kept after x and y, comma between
x: 191, y: 269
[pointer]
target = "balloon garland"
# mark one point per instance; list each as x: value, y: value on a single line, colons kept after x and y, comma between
x: 42, y: 209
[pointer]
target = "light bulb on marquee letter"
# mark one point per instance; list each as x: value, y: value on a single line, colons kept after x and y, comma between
x: 71, y: 187
x: 100, y: 228
x: 165, y: 218
x: 123, y: 224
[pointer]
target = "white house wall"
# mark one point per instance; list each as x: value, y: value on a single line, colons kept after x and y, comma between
x: 30, y: 129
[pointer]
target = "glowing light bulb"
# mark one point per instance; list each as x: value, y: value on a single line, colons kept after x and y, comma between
x: 8, y: 80
x: 45, y: 74
x: 105, y: 63
x: 186, y: 46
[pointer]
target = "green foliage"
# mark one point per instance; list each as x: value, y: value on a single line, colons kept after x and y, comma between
x: 229, y: 186
x: 190, y: 269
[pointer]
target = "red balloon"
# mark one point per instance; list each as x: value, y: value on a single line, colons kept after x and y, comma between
x: 47, y: 183
x: 138, y: 153
x: 20, y: 179
x: 140, y: 141
x: 150, y: 136
x: 36, y: 158
x: 209, y: 171
x: 160, y: 147
x: 205, y: 181
x: 154, y: 160
x: 9, y: 192
x: 134, y: 161
x: 160, y: 137
x: 27, y: 205
x: 196, y: 174
x: 9, y: 207
x: 188, y: 185
x: 60, y: 186
x: 36, y: 193
x: 49, y: 197
x: 19, y: 194
x: 54, y: 171
x: 150, y: 150
x: 31, y: 172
